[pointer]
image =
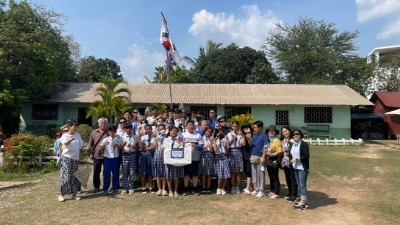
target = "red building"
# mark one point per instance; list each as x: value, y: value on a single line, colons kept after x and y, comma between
x: 385, y: 102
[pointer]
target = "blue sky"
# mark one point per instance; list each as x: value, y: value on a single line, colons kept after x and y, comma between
x: 128, y: 31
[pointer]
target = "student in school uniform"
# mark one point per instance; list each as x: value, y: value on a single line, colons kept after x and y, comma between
x: 221, y: 149
x: 173, y: 173
x: 158, y: 166
x: 148, y: 144
x: 193, y: 140
x: 130, y: 146
x: 207, y: 162
x: 111, y: 147
x: 258, y: 157
x: 235, y: 140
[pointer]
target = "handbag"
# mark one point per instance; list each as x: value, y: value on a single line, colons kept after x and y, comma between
x: 255, y: 159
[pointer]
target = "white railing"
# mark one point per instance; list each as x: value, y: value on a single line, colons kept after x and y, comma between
x: 34, y: 160
x: 334, y: 141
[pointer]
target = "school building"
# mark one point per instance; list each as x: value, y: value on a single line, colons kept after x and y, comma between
x: 321, y: 110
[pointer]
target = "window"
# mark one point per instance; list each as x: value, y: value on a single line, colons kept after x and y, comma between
x: 318, y: 115
x: 44, y: 112
x: 205, y: 109
x: 231, y: 111
x: 70, y: 113
x: 282, y: 117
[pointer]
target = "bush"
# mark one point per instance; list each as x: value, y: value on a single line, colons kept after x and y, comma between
x: 242, y: 118
x: 28, y: 145
x: 85, y: 131
x: 52, y: 166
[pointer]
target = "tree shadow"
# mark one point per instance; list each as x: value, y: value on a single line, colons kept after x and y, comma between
x: 319, y: 199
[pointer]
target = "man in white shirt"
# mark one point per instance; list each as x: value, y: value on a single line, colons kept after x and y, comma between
x: 193, y: 140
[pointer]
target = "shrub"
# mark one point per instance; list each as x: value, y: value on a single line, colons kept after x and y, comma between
x: 85, y: 131
x: 242, y: 118
x: 28, y: 145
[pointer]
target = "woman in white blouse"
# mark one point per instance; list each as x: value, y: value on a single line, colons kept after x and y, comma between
x: 72, y: 143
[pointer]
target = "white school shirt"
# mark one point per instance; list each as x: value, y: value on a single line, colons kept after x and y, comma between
x: 238, y: 142
x: 129, y: 140
x: 220, y: 146
x: 189, y: 138
x: 71, y: 150
x: 168, y: 143
x: 207, y: 141
x: 146, y: 141
x: 110, y: 151
x: 160, y: 141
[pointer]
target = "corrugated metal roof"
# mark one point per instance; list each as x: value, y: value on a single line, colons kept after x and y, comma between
x: 389, y: 99
x: 224, y: 94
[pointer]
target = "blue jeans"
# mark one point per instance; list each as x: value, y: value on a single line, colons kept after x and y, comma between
x: 111, y: 165
x: 301, y: 178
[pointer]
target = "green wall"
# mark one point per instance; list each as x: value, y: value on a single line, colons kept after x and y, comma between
x: 339, y: 128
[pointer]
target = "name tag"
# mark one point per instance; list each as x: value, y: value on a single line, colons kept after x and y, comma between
x: 177, y: 153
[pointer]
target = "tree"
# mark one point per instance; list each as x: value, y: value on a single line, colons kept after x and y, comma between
x: 386, y: 75
x: 311, y: 51
x: 210, y: 48
x: 178, y: 75
x: 34, y: 55
x: 114, y: 99
x: 233, y: 64
x: 94, y: 70
x: 354, y: 73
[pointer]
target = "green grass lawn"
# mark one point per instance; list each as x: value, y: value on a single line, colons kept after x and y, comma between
x: 347, y: 185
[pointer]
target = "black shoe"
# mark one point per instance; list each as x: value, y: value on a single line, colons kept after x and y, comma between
x: 290, y: 199
x: 95, y: 190
x: 203, y: 192
x: 287, y: 197
x: 208, y: 191
x: 301, y: 207
x: 185, y: 193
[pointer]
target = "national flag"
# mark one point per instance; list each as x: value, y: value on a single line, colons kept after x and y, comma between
x: 166, y: 41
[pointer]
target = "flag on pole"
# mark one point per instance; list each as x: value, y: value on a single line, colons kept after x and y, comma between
x: 166, y: 41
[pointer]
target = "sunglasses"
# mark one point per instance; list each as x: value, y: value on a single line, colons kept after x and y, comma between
x: 222, y: 121
x: 121, y: 122
x: 294, y: 134
x: 135, y: 112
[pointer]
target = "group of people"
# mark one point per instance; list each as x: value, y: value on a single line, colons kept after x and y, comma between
x: 137, y: 145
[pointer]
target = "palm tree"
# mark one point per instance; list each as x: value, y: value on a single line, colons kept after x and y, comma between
x: 203, y: 52
x: 115, y: 99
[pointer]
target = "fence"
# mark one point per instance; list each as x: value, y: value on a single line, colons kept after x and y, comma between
x: 334, y: 141
x: 34, y: 160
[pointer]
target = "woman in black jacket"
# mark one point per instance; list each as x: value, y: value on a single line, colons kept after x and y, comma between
x: 299, y: 158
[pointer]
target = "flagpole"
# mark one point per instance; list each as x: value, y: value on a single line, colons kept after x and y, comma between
x: 167, y: 69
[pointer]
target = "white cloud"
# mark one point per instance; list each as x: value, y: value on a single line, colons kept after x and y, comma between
x: 141, y: 62
x: 249, y: 31
x: 390, y: 30
x: 374, y: 9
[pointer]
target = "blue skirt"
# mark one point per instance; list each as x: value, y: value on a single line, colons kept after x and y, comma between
x: 145, y: 167
x: 207, y: 164
x: 158, y: 165
x: 173, y: 172
x: 222, y: 166
x: 236, y: 160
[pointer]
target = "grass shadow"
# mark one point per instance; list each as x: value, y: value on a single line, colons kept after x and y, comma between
x: 320, y: 199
